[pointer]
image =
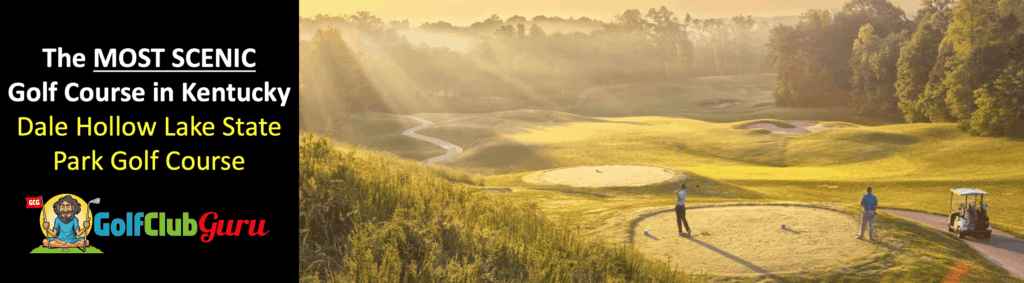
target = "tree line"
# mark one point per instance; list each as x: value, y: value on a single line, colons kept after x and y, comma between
x: 517, y: 58
x: 956, y: 61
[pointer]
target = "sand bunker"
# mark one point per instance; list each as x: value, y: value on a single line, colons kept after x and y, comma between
x: 605, y: 176
x: 720, y: 104
x: 749, y: 240
x: 800, y: 127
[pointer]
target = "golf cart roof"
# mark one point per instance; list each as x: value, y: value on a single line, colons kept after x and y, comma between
x: 969, y: 192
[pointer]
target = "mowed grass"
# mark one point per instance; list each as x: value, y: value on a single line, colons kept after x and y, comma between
x: 911, y: 166
x: 905, y: 251
x: 744, y: 243
x: 925, y: 160
x: 685, y: 99
x: 384, y: 131
x: 920, y: 161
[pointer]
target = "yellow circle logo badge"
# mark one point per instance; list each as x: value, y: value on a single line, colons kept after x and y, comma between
x: 65, y: 221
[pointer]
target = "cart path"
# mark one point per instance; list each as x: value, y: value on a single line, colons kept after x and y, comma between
x: 1004, y: 249
x: 583, y: 96
x: 452, y: 149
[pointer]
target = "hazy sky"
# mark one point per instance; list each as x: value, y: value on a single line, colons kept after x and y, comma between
x: 465, y: 12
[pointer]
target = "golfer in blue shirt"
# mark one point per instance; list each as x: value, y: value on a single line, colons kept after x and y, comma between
x: 869, y: 203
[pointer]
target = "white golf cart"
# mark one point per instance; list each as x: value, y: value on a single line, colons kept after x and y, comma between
x: 969, y: 218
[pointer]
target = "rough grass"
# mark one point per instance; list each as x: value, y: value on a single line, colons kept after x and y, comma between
x: 368, y: 216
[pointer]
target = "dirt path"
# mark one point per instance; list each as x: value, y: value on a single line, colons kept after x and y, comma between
x: 1004, y: 249
x: 452, y: 149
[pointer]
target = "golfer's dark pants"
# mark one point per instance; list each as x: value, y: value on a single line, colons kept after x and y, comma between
x: 681, y: 218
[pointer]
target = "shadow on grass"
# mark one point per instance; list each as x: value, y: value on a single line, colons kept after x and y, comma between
x: 752, y: 266
x: 792, y: 231
x: 584, y: 193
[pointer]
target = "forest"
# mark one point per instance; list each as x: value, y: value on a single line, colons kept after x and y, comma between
x: 954, y: 61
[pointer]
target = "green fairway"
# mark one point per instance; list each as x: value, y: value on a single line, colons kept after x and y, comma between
x: 44, y: 250
x: 689, y: 99
x: 910, y: 166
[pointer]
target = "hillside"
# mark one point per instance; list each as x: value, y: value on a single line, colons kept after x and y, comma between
x: 371, y: 216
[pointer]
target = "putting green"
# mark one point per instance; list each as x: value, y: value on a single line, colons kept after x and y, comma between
x: 749, y: 240
x: 605, y: 176
x: 44, y: 250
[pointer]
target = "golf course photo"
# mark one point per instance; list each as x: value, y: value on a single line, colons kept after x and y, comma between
x: 652, y: 145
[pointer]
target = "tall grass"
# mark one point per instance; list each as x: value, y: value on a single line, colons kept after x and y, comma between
x: 371, y: 216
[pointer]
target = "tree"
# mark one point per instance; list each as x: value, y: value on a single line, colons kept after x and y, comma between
x: 874, y: 73
x: 1001, y: 104
x: 483, y: 52
x: 536, y: 31
x: 797, y: 53
x: 631, y: 22
x: 515, y: 19
x: 440, y: 26
x: 933, y: 101
x: 505, y: 32
x: 339, y: 81
x: 917, y: 58
x: 973, y: 38
x: 885, y: 17
x: 670, y: 37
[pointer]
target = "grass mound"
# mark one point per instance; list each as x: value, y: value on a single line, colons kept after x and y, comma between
x: 498, y: 155
x: 384, y: 131
x: 719, y: 104
x: 406, y: 147
x: 605, y: 176
x: 691, y: 98
x: 776, y: 122
x: 368, y: 216
x: 534, y: 115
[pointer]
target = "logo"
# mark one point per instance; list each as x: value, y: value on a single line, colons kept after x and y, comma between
x: 36, y: 202
x: 65, y: 220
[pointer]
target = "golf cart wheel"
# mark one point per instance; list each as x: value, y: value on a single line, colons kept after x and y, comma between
x: 960, y: 233
x: 950, y: 228
x: 988, y: 235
